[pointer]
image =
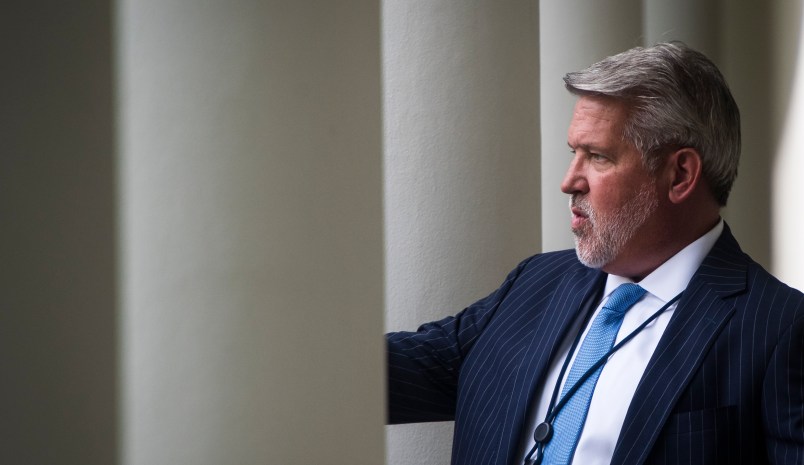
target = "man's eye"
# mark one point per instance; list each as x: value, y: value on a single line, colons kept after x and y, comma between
x: 596, y: 157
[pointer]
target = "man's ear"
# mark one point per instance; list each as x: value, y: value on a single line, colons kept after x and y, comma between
x: 684, y: 169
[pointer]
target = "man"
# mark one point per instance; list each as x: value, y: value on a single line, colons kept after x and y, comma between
x: 657, y: 340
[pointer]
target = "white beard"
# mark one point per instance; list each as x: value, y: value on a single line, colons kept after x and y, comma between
x: 603, y: 237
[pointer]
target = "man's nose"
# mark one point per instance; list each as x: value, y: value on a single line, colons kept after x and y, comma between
x: 574, y: 181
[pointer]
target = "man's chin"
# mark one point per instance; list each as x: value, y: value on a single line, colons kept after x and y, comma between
x: 588, y: 259
x: 582, y: 231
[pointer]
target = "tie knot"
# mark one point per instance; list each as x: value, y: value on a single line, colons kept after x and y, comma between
x: 624, y: 297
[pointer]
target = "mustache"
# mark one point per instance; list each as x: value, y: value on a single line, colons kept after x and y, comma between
x: 580, y: 203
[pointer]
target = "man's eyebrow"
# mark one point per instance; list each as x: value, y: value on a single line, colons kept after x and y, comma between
x: 586, y: 147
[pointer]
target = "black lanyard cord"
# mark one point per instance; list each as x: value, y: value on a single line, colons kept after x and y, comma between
x: 543, y: 432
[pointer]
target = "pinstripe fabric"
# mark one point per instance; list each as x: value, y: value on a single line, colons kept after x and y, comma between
x: 725, y: 385
x: 598, y: 342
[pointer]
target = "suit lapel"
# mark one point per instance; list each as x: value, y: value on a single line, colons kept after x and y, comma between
x: 575, y: 294
x: 701, y: 314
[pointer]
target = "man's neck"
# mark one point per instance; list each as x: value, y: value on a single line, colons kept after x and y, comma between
x: 658, y: 244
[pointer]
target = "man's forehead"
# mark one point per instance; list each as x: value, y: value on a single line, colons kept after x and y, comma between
x: 597, y: 122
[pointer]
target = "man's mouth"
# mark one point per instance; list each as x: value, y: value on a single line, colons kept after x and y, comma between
x: 579, y: 218
x: 579, y: 213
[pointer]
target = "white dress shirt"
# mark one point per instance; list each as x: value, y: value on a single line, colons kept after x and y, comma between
x: 621, y: 373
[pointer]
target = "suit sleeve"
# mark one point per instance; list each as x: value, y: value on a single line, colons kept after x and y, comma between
x: 783, y: 398
x: 424, y: 366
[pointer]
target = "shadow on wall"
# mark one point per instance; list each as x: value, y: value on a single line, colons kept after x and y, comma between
x: 58, y: 323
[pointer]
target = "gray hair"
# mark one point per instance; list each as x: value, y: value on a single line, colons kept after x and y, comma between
x: 677, y: 98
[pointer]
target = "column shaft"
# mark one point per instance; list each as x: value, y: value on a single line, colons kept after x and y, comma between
x: 251, y: 231
x: 788, y: 222
x: 461, y: 166
x: 574, y: 34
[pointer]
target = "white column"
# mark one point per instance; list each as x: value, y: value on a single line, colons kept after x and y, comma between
x: 788, y: 222
x: 251, y: 232
x: 574, y: 34
x: 746, y: 62
x: 461, y: 166
x: 694, y: 22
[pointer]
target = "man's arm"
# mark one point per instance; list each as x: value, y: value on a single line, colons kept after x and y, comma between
x: 424, y: 366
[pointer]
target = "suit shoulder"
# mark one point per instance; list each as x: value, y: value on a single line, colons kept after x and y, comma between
x: 767, y: 296
x: 757, y: 275
x: 549, y: 266
x: 558, y: 261
x: 731, y: 271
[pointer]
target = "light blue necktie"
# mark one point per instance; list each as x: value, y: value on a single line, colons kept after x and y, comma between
x: 598, y: 341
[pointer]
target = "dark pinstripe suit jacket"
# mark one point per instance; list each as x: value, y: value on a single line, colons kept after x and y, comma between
x: 725, y: 385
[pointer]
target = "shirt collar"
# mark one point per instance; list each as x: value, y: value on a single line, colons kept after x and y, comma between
x: 672, y: 277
